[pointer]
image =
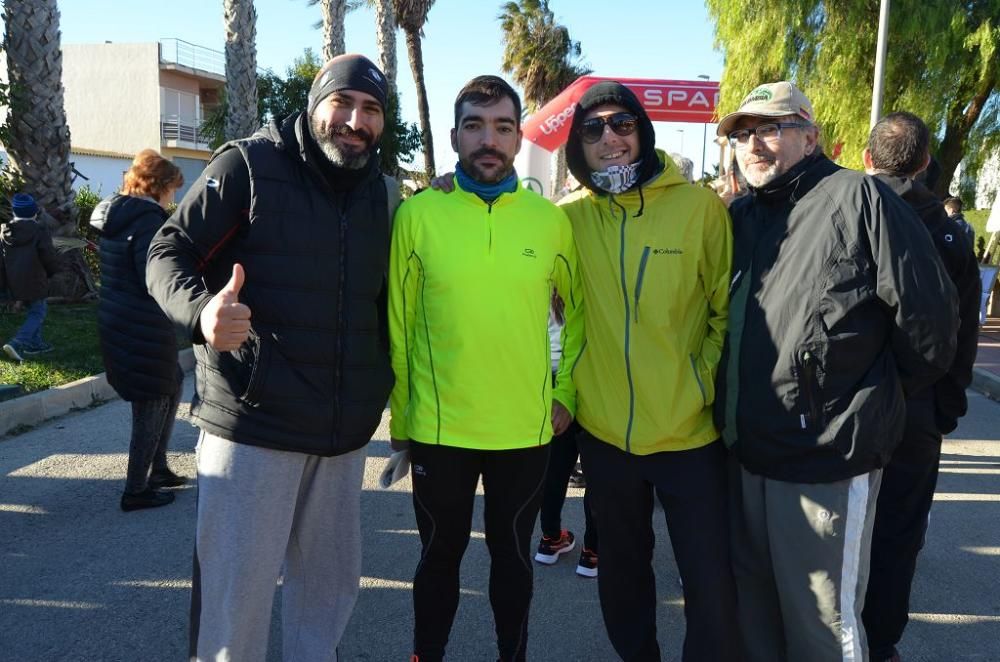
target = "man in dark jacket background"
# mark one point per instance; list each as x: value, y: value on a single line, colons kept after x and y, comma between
x: 274, y: 264
x: 838, y: 306
x: 27, y: 261
x: 897, y: 152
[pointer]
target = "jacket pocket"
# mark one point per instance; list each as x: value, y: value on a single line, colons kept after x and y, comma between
x: 811, y: 407
x: 703, y: 386
x: 638, y: 280
x: 255, y: 354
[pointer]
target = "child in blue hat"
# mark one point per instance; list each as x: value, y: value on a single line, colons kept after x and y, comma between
x: 27, y: 260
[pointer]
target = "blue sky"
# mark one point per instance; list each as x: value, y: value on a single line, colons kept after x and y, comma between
x: 639, y: 39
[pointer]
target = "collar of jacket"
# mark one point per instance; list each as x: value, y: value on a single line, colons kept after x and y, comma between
x: 794, y: 184
x: 633, y: 200
x: 920, y: 198
x: 505, y: 198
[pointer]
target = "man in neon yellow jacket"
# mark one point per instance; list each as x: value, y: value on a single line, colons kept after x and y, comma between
x: 470, y: 278
x: 655, y: 256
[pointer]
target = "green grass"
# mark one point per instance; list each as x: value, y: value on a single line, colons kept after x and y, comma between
x: 977, y: 219
x: 72, y: 330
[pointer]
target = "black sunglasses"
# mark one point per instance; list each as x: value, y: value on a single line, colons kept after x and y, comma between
x: 623, y: 124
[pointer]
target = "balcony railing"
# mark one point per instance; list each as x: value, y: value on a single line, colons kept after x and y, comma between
x: 181, y: 129
x: 186, y: 54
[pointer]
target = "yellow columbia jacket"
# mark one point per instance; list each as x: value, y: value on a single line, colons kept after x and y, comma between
x: 656, y: 281
x: 469, y: 294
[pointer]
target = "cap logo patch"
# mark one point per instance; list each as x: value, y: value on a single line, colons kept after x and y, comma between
x: 761, y: 94
x: 374, y: 74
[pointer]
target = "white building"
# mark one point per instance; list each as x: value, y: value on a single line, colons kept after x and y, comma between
x: 123, y: 98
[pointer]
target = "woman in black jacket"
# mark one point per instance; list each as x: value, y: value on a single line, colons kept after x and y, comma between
x: 138, y: 342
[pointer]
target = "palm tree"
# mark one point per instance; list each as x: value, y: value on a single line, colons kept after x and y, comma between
x: 542, y: 57
x: 240, y: 18
x: 37, y: 134
x: 332, y: 23
x: 385, y: 38
x: 411, y: 16
x: 38, y: 138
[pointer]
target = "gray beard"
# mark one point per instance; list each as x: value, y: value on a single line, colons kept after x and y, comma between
x: 335, y: 154
x: 760, y: 179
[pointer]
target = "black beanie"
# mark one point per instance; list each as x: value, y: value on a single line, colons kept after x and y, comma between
x: 348, y: 72
x: 606, y: 92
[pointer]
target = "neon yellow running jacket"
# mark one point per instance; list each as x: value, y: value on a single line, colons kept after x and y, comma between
x: 657, y: 290
x: 469, y: 297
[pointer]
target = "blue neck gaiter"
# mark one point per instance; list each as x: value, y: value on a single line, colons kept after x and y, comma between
x: 487, y: 192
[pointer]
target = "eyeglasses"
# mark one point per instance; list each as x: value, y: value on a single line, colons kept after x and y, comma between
x: 769, y: 133
x: 623, y: 124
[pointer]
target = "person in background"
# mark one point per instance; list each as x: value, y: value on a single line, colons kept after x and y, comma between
x: 953, y: 207
x: 27, y: 260
x: 896, y: 154
x: 563, y: 455
x: 138, y: 343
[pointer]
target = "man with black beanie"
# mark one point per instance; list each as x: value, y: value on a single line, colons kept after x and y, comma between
x: 274, y: 266
x: 654, y: 253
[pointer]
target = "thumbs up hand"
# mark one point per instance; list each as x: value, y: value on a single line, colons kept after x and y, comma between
x: 225, y: 322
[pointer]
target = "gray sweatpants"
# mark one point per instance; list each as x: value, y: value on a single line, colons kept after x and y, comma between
x: 800, y: 557
x: 261, y: 510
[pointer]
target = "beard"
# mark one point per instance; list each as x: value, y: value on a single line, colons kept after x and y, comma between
x: 758, y: 177
x: 487, y: 177
x: 352, y: 157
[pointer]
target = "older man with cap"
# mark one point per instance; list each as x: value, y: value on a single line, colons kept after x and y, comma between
x: 274, y: 266
x: 839, y: 307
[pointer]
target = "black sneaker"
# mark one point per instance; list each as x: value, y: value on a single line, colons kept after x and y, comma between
x: 576, y: 479
x: 549, y: 549
x: 587, y: 566
x: 165, y: 478
x: 148, y: 498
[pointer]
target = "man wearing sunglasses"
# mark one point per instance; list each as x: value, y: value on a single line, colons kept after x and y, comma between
x: 839, y: 306
x: 470, y: 278
x: 655, y: 254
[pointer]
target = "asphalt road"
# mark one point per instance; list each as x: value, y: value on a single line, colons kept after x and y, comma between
x: 80, y: 580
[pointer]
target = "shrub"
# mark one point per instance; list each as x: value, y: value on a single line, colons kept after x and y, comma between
x: 86, y: 200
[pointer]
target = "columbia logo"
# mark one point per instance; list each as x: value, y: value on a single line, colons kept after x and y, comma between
x: 667, y: 251
x: 418, y: 470
x: 528, y: 252
x: 374, y: 74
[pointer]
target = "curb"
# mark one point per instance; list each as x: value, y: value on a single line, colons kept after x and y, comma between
x: 33, y: 409
x: 986, y: 382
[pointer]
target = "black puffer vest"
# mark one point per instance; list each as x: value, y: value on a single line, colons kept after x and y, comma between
x: 315, y: 375
x: 138, y: 342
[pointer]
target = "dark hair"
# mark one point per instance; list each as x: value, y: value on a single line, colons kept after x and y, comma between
x: 486, y: 91
x: 954, y: 203
x: 898, y: 143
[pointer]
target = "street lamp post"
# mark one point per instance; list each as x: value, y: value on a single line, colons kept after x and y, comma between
x: 704, y: 136
x: 681, y: 131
